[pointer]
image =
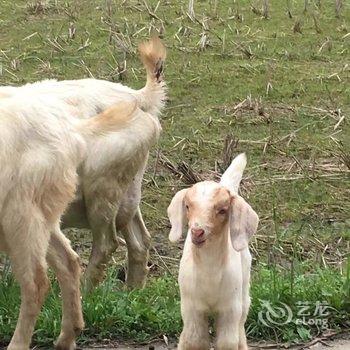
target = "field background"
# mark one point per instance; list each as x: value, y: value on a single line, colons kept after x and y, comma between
x: 275, y: 85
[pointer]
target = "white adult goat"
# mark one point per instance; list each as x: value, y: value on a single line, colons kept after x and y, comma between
x: 41, y: 147
x: 215, y: 267
x: 109, y: 191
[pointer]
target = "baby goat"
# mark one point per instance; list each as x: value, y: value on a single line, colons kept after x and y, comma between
x: 215, y: 267
x: 41, y: 146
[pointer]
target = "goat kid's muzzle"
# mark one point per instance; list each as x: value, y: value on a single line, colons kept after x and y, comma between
x: 197, y: 236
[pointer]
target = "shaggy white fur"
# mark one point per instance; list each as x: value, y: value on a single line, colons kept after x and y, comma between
x: 214, y: 270
x: 41, y: 147
x: 110, y: 179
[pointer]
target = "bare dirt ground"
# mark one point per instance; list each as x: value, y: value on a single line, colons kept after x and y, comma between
x: 337, y: 344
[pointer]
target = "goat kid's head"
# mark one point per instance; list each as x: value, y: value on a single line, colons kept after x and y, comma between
x: 212, y: 207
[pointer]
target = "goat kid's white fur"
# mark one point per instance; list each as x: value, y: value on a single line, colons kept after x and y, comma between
x: 214, y: 272
x: 109, y: 191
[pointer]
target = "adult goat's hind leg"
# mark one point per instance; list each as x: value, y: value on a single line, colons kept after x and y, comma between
x: 66, y: 264
x: 102, y: 197
x: 104, y: 244
x: 138, y: 241
x: 27, y: 240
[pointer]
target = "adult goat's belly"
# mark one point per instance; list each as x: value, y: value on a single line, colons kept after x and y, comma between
x: 112, y: 164
x: 3, y: 246
x: 75, y: 215
x: 113, y: 178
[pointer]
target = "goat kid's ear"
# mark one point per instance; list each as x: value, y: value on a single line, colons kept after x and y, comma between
x: 243, y: 223
x: 176, y: 214
x: 233, y: 174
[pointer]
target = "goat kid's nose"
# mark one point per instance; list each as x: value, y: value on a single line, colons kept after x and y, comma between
x: 197, y: 232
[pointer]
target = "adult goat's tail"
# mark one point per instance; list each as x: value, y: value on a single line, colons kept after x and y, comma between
x: 112, y: 119
x: 153, y: 95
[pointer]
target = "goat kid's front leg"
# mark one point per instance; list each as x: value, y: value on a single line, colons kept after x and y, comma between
x: 138, y: 241
x: 228, y: 328
x: 246, y: 266
x: 243, y: 345
x: 195, y: 333
x: 66, y: 264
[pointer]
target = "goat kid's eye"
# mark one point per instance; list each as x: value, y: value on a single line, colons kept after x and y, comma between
x: 187, y: 207
x: 222, y: 211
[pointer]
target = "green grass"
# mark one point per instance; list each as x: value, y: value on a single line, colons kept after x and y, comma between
x: 297, y: 91
x: 111, y: 312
